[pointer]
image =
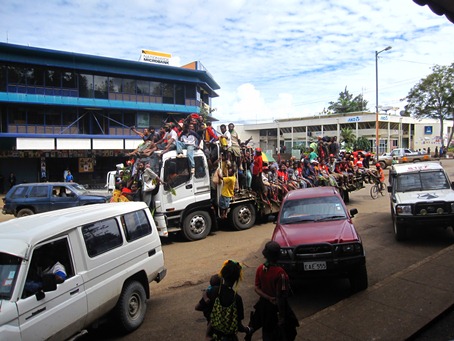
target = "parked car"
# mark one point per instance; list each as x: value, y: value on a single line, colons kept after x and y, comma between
x: 104, y: 258
x: 421, y: 195
x: 31, y: 198
x: 318, y: 238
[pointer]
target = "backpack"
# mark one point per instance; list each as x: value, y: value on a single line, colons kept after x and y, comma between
x: 224, y: 319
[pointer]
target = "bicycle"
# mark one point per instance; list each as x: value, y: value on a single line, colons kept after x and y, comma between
x: 377, y: 187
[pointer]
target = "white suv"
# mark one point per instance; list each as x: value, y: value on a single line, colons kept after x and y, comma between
x: 421, y: 194
x: 109, y: 254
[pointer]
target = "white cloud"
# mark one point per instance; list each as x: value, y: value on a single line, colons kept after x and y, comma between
x: 272, y: 59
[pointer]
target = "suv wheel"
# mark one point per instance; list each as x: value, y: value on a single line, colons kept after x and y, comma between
x: 131, y: 306
x: 358, y: 279
x: 24, y: 212
x: 400, y: 230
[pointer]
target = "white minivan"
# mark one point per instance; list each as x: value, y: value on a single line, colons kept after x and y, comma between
x: 109, y: 254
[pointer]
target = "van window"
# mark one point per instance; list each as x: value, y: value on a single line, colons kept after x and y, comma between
x: 101, y: 236
x: 136, y: 225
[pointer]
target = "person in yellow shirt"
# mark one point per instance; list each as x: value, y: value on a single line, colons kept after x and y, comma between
x: 228, y: 188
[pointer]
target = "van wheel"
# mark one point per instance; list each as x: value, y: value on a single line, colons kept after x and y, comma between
x: 25, y: 212
x: 131, y: 306
x: 243, y: 217
x: 197, y: 225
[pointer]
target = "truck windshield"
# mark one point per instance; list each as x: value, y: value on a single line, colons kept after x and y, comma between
x: 9, y: 268
x: 422, y: 181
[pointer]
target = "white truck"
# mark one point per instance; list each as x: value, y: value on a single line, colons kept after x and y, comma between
x: 188, y: 203
x: 420, y: 194
x: 401, y: 155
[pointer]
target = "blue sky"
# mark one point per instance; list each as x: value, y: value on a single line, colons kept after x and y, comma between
x: 272, y: 59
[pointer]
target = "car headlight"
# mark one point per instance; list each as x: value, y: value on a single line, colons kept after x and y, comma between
x: 286, y: 253
x: 351, y: 249
x: 403, y: 210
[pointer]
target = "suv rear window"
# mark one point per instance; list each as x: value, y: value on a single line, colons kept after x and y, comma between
x: 19, y: 192
x: 136, y: 225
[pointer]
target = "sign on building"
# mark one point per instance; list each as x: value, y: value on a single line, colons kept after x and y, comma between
x: 155, y: 57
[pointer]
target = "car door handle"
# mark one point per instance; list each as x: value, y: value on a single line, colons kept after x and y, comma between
x: 189, y: 186
x: 36, y: 313
x: 74, y: 291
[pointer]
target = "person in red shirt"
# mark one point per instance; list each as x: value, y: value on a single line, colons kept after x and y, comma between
x: 272, y: 312
x: 257, y: 169
x: 282, y: 174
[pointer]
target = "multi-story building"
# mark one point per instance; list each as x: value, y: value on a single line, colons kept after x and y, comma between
x: 63, y: 110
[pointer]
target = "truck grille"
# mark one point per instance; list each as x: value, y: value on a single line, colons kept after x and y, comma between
x: 312, y: 250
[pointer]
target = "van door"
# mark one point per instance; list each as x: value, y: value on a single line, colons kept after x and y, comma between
x: 62, y: 312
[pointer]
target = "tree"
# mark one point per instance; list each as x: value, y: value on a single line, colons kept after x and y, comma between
x: 346, y: 103
x: 433, y: 97
x: 347, y: 137
x: 362, y: 143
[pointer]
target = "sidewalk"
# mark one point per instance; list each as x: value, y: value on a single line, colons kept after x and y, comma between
x: 394, y: 309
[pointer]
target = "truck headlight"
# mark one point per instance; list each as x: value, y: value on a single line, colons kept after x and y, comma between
x: 286, y: 253
x: 403, y: 210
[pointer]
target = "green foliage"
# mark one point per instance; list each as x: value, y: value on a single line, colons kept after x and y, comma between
x: 346, y: 103
x: 433, y: 96
x: 362, y: 143
x: 348, y: 138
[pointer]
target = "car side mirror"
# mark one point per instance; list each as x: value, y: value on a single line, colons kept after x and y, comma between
x: 353, y: 212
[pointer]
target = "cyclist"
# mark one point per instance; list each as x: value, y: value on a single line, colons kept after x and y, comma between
x: 380, y: 176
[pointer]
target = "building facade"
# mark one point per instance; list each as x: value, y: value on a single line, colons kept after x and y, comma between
x: 394, y: 131
x: 62, y: 110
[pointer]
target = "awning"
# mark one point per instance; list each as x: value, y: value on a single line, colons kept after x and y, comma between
x: 440, y: 7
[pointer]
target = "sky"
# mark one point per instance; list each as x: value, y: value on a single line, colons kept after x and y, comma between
x: 273, y: 59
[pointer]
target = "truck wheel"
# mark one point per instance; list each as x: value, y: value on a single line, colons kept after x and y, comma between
x: 358, y: 279
x: 400, y: 230
x: 243, y: 217
x: 25, y: 212
x: 131, y: 306
x: 197, y: 225
x: 383, y: 165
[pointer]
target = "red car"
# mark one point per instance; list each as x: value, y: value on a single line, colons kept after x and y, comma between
x: 318, y: 239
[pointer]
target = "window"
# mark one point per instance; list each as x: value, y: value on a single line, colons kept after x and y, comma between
x: 35, y: 76
x: 100, y: 86
x: 53, y: 78
x: 44, y: 262
x: 69, y: 80
x: 101, y: 237
x: 143, y: 87
x: 2, y: 78
x: 9, y: 268
x: 168, y: 93
x: 199, y: 167
x: 39, y: 192
x: 155, y: 89
x: 16, y: 75
x: 129, y: 86
x: 136, y: 225
x: 312, y: 209
x: 176, y: 172
x: 179, y: 94
x: 36, y: 118
x: 115, y: 85
x: 19, y: 192
x: 86, y: 85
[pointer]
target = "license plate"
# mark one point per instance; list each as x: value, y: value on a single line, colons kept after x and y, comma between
x: 311, y: 266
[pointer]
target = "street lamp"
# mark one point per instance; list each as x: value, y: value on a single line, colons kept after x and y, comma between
x: 377, y: 137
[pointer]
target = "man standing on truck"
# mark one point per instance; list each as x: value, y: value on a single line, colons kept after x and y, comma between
x: 228, y: 188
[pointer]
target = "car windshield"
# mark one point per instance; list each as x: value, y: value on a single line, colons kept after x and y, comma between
x: 422, y: 181
x: 9, y: 268
x: 79, y: 189
x: 312, y: 209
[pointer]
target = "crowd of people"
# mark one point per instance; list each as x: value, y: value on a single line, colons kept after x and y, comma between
x: 241, y: 167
